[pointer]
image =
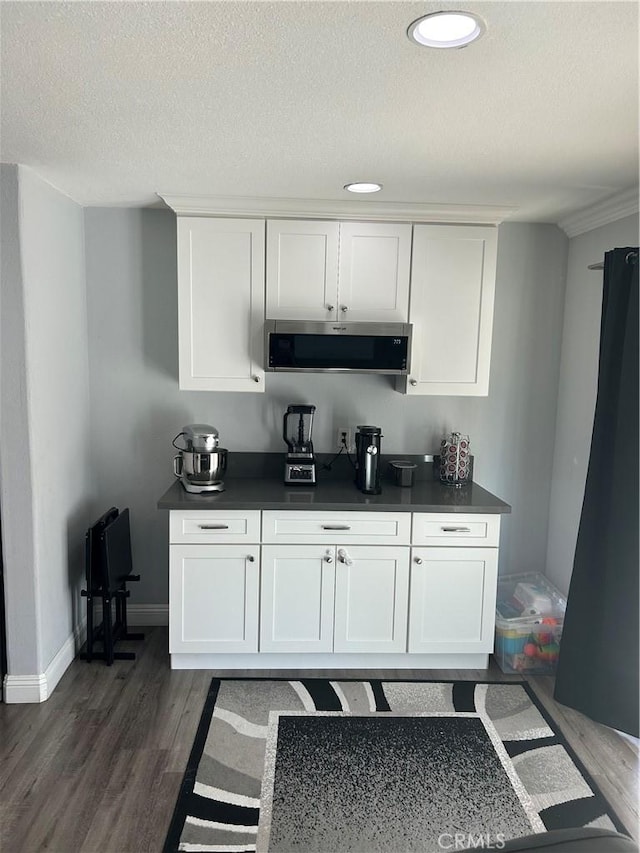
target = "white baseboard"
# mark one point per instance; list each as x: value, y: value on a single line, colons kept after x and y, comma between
x: 139, y: 614
x: 148, y: 614
x: 39, y: 686
x: 330, y: 660
x: 25, y: 688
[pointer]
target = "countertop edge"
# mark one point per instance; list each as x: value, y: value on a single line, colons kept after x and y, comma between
x: 362, y: 503
x: 333, y: 507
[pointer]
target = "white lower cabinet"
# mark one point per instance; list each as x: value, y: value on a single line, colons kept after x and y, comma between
x: 372, y: 599
x: 316, y: 598
x: 453, y: 597
x: 296, y: 598
x: 303, y: 604
x: 213, y: 594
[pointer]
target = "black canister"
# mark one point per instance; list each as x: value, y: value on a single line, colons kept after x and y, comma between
x: 368, y: 444
x: 403, y: 472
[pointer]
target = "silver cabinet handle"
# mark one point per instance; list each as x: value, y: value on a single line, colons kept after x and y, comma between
x: 413, y: 382
x: 418, y: 560
x: 251, y: 558
x: 328, y: 559
x: 213, y: 526
x: 336, y: 527
x: 456, y: 529
x: 331, y: 308
x: 256, y: 378
x: 344, y: 309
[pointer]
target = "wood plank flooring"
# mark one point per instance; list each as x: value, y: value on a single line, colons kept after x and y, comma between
x: 97, y: 768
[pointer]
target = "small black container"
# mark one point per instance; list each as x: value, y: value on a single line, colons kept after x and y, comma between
x: 403, y: 472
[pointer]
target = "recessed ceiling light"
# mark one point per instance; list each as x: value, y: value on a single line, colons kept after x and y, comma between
x: 363, y: 187
x: 446, y: 29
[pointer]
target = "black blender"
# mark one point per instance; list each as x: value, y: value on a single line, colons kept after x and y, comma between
x: 300, y: 463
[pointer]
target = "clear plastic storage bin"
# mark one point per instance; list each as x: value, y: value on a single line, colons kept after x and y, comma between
x: 529, y: 619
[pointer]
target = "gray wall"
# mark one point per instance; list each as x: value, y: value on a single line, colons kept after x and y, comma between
x: 137, y: 408
x: 577, y: 389
x: 45, y: 426
x: 18, y: 538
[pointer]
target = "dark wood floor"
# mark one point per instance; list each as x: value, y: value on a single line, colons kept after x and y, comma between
x: 98, y: 766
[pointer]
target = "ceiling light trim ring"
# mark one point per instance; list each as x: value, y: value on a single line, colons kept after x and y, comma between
x: 362, y: 187
x: 449, y: 28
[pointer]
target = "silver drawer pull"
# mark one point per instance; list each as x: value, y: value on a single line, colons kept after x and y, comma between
x: 456, y: 529
x: 336, y: 527
x: 213, y: 526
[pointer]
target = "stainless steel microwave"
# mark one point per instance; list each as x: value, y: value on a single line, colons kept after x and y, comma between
x: 335, y: 347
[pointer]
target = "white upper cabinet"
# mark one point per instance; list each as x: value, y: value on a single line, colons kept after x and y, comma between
x: 328, y: 270
x: 373, y: 279
x: 302, y: 270
x: 221, y: 303
x: 453, y: 273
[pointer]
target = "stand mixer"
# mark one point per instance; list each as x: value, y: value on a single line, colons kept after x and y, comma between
x: 300, y: 463
x: 201, y: 463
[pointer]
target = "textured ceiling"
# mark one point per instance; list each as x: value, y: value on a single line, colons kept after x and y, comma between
x: 114, y: 102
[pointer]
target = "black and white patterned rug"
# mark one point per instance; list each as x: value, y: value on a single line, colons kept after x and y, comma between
x: 320, y: 766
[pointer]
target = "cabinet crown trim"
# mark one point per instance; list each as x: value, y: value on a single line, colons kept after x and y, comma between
x: 372, y: 211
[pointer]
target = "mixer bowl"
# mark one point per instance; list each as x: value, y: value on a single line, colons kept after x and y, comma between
x: 201, y: 468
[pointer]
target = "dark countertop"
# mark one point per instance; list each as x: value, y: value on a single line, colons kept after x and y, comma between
x: 339, y: 494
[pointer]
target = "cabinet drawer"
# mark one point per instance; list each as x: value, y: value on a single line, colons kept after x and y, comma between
x: 455, y: 529
x: 304, y: 527
x: 204, y: 526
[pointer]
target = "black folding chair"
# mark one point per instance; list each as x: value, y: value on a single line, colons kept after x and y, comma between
x: 108, y: 569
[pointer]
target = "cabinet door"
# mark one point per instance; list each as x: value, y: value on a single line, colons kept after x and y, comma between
x: 453, y: 598
x: 373, y: 280
x: 372, y: 595
x: 213, y: 595
x: 453, y: 273
x: 220, y: 303
x: 302, y: 270
x: 296, y: 602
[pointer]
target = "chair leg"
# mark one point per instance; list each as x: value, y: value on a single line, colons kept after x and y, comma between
x: 89, y: 653
x: 118, y: 600
x: 107, y: 632
x: 123, y: 616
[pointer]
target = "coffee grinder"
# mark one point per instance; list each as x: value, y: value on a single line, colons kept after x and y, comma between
x: 368, y: 444
x: 300, y: 463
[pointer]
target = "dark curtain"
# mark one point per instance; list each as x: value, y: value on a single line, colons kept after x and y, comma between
x: 598, y: 666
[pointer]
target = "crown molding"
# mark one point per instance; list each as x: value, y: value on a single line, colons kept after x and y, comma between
x: 297, y: 208
x: 601, y: 213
